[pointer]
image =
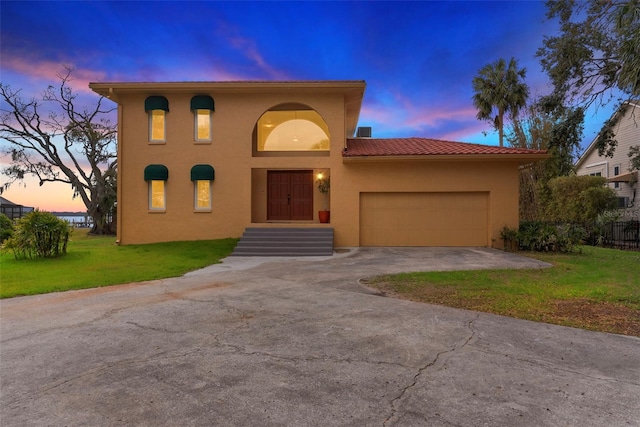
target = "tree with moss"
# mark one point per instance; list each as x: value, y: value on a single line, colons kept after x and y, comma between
x: 595, y: 58
x: 54, y: 140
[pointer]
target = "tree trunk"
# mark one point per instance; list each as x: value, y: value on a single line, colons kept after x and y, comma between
x: 501, y: 127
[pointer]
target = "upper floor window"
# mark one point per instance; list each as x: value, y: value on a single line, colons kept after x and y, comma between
x: 616, y: 172
x: 156, y: 107
x: 202, y: 107
x: 292, y: 127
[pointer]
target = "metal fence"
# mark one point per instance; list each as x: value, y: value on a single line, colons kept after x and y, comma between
x: 619, y: 235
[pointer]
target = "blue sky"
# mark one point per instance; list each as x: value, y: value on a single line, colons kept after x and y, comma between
x: 418, y: 58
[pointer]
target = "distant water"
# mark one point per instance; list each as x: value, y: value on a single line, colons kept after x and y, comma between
x: 76, y: 220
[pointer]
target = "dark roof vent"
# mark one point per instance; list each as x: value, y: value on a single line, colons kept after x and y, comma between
x: 364, y: 132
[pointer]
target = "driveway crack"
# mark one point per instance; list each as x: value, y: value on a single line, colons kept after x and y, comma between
x: 456, y: 348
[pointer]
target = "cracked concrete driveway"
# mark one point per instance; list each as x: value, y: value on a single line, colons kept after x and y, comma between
x: 271, y: 342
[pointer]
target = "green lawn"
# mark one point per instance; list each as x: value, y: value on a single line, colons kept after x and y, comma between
x: 94, y: 261
x: 597, y: 289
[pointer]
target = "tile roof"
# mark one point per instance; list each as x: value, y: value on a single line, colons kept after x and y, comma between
x: 368, y: 147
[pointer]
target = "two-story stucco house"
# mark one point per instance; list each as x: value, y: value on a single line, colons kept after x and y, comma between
x: 617, y: 169
x: 206, y: 160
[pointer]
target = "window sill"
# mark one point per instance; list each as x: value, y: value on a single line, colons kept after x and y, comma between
x: 156, y: 211
x: 202, y: 142
x: 202, y: 211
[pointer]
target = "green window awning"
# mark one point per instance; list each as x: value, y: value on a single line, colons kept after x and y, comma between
x: 202, y: 102
x: 202, y: 173
x: 156, y: 103
x: 156, y: 173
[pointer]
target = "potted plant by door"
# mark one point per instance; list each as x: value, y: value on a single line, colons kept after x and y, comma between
x: 323, y: 187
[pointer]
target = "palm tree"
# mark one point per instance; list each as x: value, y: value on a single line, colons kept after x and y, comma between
x: 498, y: 90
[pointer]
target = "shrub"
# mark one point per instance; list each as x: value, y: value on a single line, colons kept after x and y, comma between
x: 577, y: 199
x: 547, y: 237
x: 39, y: 235
x: 510, y: 238
x: 6, y: 227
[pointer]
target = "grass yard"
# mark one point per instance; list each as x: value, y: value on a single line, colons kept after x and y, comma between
x: 93, y: 261
x: 598, y: 289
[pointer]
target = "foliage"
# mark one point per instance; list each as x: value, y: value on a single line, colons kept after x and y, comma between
x: 65, y: 144
x: 597, y: 51
x: 6, y: 227
x: 546, y: 237
x: 595, y: 57
x: 606, y: 140
x: 510, y: 238
x: 634, y: 154
x: 577, y: 199
x: 554, y: 128
x: 499, y: 89
x: 94, y: 261
x: 39, y: 235
x: 324, y: 184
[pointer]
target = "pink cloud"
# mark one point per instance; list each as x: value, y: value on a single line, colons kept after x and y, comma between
x: 406, y: 115
x: 48, y: 71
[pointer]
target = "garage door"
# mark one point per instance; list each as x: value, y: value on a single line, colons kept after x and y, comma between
x: 424, y: 219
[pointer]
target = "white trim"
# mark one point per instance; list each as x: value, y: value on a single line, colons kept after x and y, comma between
x: 195, y: 126
x: 605, y: 163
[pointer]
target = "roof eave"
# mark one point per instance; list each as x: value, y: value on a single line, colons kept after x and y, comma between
x: 111, y: 89
x: 353, y: 91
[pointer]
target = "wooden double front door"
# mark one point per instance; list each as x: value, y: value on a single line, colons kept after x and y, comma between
x: 289, y: 195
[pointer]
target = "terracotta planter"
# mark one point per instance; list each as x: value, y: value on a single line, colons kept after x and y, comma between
x: 324, y: 216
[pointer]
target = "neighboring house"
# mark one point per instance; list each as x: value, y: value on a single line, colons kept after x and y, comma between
x: 205, y: 160
x: 617, y: 169
x: 12, y: 210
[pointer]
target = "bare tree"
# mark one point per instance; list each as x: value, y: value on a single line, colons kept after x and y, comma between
x: 62, y: 144
x: 559, y: 131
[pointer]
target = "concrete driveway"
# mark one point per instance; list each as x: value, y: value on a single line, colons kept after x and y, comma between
x: 298, y: 342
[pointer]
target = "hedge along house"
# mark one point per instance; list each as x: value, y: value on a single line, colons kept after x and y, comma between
x: 206, y: 160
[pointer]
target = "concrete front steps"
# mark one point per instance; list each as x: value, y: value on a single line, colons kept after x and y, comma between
x: 283, y: 241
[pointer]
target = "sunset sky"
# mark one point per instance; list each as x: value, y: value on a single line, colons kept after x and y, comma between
x: 417, y: 58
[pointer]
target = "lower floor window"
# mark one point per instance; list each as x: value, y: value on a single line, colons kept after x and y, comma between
x: 202, y: 194
x: 157, y: 198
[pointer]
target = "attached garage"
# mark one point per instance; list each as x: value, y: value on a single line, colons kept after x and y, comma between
x: 424, y: 219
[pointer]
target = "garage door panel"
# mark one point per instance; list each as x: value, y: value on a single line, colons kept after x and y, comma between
x: 424, y: 219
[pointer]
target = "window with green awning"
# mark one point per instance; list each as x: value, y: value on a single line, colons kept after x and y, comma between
x: 156, y: 173
x: 202, y: 102
x: 156, y: 103
x: 202, y: 173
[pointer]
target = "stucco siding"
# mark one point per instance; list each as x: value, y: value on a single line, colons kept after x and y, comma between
x: 480, y: 194
x: 499, y: 180
x: 236, y: 190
